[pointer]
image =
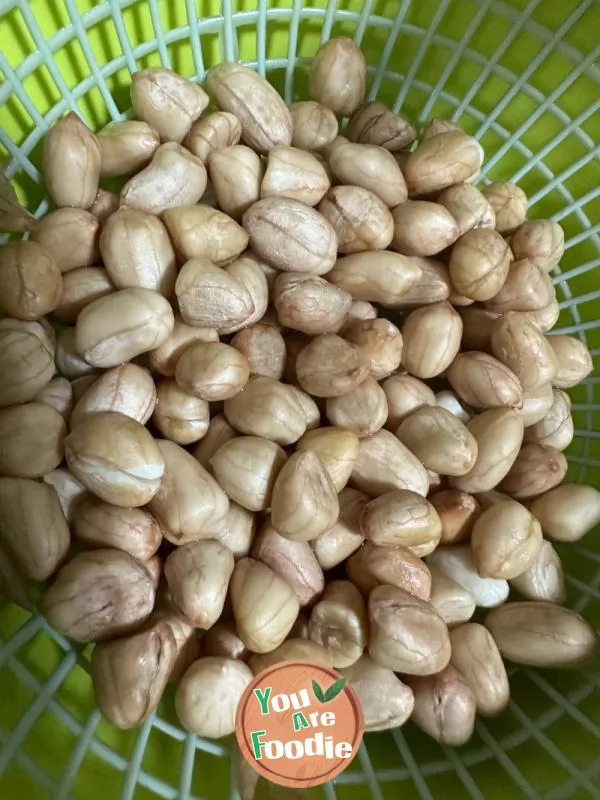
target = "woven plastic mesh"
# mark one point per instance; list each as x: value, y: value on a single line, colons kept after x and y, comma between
x: 520, y: 76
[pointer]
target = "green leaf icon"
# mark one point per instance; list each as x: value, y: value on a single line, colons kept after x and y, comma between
x: 331, y: 693
x: 318, y: 692
x: 335, y: 689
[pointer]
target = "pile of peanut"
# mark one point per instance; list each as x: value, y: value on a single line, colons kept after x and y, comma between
x: 291, y: 398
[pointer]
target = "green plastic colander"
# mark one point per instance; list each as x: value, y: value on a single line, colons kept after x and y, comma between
x: 520, y: 76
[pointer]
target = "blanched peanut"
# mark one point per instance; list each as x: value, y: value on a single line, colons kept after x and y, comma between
x: 293, y: 561
x: 221, y: 683
x: 173, y: 178
x: 201, y: 232
x: 290, y: 235
x: 31, y: 282
x: 315, y: 125
x: 222, y: 640
x: 541, y: 240
x: 448, y: 401
x: 468, y: 206
x: 574, y: 361
x: 236, y: 530
x: 439, y: 440
x: 363, y: 410
x: 126, y: 147
x: 386, y: 701
x: 509, y: 203
x: 345, y: 537
x: 384, y: 463
x: 212, y: 371
x: 27, y: 351
x: 310, y: 410
x: 479, y: 264
x: 180, y: 417
x: 432, y: 337
x: 33, y: 528
x: 129, y: 674
x: 433, y: 286
x: 246, y: 467
x: 338, y: 74
x: 116, y: 458
x: 422, y: 228
x: 163, y: 359
x: 478, y: 324
x: 484, y: 382
x: 127, y: 389
x: 329, y: 366
x: 294, y: 173
x: 166, y: 101
x: 376, y: 277
x: 213, y: 132
x: 527, y: 288
x: 370, y: 167
x: 361, y: 220
x: 71, y: 162
x: 537, y: 405
x: 506, y: 540
x: 445, y: 706
x: 338, y: 622
x: 249, y: 271
x: 71, y: 235
x: 209, y: 297
x: 69, y: 362
x: 380, y: 342
x: 453, y: 602
x: 373, y: 566
x: 304, y: 504
x: 59, y: 395
x: 264, y: 117
x: 407, y: 634
x: 236, y: 173
x: 400, y: 517
x: 405, y: 395
x: 264, y: 606
x: 101, y: 524
x: 457, y: 511
x: 267, y: 408
x: 198, y: 576
x: 566, y: 513
x: 136, y: 251
x: 444, y: 157
x: 310, y: 304
x: 374, y: 123
x: 292, y: 650
x: 189, y: 502
x: 499, y: 435
x: 519, y: 344
x: 457, y: 563
x: 556, y: 428
x: 336, y: 448
x: 122, y: 325
x: 542, y: 635
x: 79, y: 288
x: 219, y: 431
x: 105, y: 204
x: 118, y: 590
x: 32, y: 436
x: 536, y: 469
x: 544, y: 578
x: 263, y: 346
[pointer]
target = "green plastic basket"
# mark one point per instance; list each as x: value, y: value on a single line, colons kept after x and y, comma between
x: 520, y: 76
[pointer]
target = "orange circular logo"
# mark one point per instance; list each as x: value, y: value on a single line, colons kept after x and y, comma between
x: 299, y: 724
